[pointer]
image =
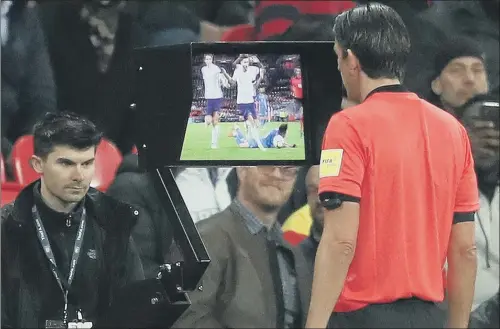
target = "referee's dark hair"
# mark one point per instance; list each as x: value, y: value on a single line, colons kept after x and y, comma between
x: 378, y: 37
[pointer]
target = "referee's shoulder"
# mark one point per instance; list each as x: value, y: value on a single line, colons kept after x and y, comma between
x: 354, y: 112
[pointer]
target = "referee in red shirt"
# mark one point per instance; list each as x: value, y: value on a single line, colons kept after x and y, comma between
x: 398, y: 183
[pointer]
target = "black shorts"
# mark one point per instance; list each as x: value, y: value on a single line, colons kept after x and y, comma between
x: 404, y: 313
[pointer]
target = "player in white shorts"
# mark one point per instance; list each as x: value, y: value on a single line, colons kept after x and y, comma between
x: 213, y: 81
x: 247, y: 78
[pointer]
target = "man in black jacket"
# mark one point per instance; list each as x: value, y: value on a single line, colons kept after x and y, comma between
x: 66, y: 248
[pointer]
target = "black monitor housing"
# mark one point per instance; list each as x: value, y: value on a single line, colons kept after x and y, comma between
x: 163, y: 103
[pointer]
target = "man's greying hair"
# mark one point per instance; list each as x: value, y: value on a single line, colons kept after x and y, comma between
x: 378, y: 37
x: 64, y: 129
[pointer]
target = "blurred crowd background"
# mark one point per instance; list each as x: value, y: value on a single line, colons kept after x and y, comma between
x: 76, y: 56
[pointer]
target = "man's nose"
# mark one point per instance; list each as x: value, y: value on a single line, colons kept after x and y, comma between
x: 78, y: 173
x: 469, y: 77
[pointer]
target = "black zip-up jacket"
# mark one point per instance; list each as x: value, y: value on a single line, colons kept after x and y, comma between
x: 27, y: 281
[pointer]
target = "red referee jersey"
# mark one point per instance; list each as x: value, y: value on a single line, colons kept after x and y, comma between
x: 296, y: 85
x: 274, y: 17
x: 411, y: 165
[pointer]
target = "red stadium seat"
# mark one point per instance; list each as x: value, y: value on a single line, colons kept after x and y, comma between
x: 108, y: 158
x: 21, y: 154
x: 2, y: 171
x: 242, y: 32
x: 9, y: 192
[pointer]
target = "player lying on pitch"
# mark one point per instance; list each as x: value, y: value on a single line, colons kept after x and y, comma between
x: 274, y: 139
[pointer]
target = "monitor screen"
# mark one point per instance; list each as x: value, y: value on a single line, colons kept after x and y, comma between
x: 245, y: 107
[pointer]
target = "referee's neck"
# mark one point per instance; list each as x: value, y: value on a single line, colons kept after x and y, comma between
x: 367, y: 85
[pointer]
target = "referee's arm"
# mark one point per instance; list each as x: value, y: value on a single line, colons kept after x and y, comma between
x: 461, y: 257
x: 341, y: 173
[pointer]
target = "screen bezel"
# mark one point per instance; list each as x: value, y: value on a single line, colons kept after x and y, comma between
x: 163, y: 98
x: 306, y: 141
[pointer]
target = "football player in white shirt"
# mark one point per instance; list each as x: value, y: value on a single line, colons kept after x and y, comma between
x: 213, y: 81
x: 247, y: 78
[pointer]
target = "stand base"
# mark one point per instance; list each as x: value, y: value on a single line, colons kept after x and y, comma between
x: 143, y: 304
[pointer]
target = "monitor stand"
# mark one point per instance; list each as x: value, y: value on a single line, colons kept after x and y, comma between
x: 159, y: 302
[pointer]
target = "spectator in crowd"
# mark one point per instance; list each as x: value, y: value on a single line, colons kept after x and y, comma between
x: 273, y: 18
x: 305, y: 224
x: 28, y: 90
x: 480, y: 115
x: 307, y: 28
x: 476, y: 19
x: 90, y: 45
x: 255, y: 279
x: 310, y: 245
x: 171, y: 22
x: 216, y: 16
x: 205, y: 192
x: 59, y: 216
x: 297, y: 227
x: 425, y: 40
x: 459, y: 74
x: 372, y: 283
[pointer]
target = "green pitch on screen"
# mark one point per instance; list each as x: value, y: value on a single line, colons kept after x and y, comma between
x: 198, y: 137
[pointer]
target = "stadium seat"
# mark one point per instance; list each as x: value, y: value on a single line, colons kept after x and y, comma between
x: 21, y: 154
x: 2, y: 171
x: 10, y: 190
x: 108, y: 158
x: 242, y: 32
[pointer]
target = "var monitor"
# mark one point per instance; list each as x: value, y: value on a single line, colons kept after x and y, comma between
x: 229, y: 104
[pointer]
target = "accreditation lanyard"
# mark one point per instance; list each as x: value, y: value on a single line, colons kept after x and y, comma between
x: 44, y: 241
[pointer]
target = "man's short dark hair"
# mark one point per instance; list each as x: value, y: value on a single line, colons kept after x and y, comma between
x: 378, y: 37
x: 64, y: 129
x: 283, y: 128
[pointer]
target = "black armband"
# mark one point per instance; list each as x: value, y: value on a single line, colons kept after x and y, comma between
x: 333, y: 200
x: 461, y: 217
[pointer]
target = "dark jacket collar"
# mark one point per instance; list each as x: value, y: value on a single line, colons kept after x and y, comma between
x: 52, y: 218
x: 387, y: 89
x: 109, y: 213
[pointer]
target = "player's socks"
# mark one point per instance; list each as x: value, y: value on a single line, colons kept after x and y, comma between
x: 215, y: 135
x: 216, y: 131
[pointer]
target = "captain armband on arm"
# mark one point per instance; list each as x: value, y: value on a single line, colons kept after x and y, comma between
x: 333, y: 200
x: 462, y: 217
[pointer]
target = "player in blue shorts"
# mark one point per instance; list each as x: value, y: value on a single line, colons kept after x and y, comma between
x: 274, y: 139
x: 263, y: 106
